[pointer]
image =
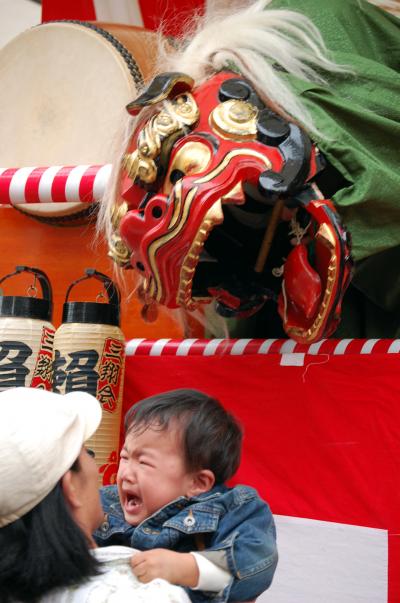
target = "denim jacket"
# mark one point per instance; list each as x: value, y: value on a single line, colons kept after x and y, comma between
x: 232, y: 527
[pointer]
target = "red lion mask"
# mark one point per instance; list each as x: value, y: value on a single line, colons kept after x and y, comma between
x: 207, y: 178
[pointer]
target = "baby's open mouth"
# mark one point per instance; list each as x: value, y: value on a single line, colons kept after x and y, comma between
x: 133, y: 503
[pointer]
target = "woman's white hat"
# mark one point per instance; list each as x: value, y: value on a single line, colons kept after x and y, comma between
x: 41, y: 436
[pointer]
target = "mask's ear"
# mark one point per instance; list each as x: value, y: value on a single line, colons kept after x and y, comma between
x: 165, y: 85
x: 71, y: 493
x: 202, y: 481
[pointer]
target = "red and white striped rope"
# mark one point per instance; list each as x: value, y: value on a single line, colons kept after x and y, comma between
x: 239, y: 347
x: 55, y: 184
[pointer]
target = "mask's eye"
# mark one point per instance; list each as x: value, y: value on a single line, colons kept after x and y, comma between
x: 90, y: 452
x: 192, y: 158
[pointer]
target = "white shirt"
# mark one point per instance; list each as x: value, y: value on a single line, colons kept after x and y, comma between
x: 117, y: 583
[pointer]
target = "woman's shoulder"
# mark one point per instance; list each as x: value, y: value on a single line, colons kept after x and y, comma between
x: 113, y: 553
x: 116, y: 583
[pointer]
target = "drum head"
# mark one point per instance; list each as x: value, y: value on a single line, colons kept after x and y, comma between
x: 64, y: 87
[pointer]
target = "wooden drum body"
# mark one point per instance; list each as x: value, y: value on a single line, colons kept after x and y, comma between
x: 64, y: 88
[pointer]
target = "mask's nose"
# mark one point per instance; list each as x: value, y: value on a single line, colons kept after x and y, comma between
x: 136, y: 225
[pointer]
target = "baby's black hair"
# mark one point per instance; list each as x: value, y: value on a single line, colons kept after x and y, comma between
x: 211, y: 436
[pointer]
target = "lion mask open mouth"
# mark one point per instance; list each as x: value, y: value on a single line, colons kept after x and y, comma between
x: 201, y: 181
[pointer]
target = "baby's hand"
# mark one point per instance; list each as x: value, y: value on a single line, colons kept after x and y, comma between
x: 177, y: 568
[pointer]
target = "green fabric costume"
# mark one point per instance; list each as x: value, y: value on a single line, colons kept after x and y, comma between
x: 358, y: 113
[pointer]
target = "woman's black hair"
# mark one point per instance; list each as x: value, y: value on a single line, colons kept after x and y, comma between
x: 211, y: 437
x: 43, y: 550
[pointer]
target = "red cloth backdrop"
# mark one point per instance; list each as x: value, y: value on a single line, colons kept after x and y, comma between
x: 322, y: 429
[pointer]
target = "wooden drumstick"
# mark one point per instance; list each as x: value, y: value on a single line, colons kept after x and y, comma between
x: 269, y: 235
